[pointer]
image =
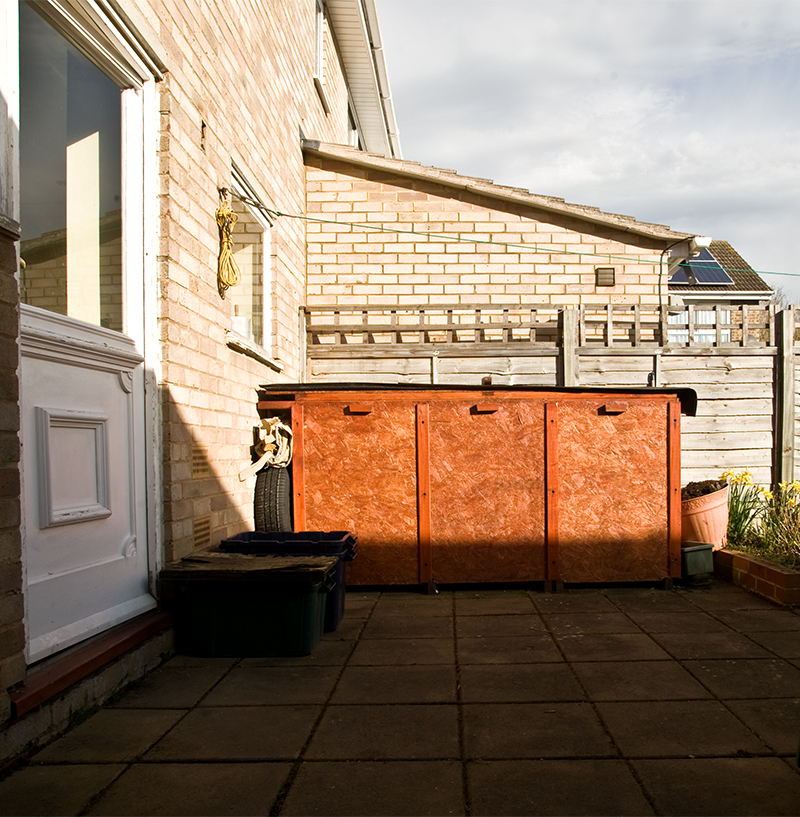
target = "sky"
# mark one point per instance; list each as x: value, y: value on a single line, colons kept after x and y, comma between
x: 677, y: 112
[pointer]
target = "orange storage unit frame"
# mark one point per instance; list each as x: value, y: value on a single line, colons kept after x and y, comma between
x: 494, y: 484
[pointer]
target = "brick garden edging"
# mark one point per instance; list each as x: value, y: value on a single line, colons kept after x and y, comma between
x: 776, y: 583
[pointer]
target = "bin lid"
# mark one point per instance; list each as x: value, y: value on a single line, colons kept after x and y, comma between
x: 686, y: 396
x: 209, y: 565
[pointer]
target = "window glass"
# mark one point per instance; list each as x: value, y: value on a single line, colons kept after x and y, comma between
x: 249, y: 244
x: 70, y: 179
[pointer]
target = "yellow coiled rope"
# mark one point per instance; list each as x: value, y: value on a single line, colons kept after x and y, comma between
x: 228, y: 274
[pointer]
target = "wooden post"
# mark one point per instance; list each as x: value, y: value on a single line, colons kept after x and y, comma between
x: 784, y: 413
x: 424, y: 497
x: 569, y: 347
x: 298, y: 469
x: 552, y: 567
x: 674, y: 489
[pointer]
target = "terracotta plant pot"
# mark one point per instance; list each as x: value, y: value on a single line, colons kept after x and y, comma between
x: 705, y: 519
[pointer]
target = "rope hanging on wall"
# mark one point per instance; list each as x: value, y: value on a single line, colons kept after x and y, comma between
x: 228, y: 274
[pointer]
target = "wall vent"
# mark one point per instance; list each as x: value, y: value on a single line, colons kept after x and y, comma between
x: 200, y: 466
x: 202, y: 532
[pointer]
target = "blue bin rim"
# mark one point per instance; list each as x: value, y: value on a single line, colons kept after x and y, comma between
x: 321, y: 543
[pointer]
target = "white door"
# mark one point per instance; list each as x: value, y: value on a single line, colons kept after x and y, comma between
x: 82, y: 373
x: 84, y: 493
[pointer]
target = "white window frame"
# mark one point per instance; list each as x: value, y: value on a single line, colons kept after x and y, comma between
x: 263, y: 351
x: 319, y: 53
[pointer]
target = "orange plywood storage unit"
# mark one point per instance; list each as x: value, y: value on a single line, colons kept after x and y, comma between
x: 458, y: 485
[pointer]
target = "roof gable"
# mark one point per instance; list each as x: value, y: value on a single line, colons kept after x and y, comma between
x: 487, y: 188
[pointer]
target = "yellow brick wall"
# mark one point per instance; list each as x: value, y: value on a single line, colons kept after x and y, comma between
x: 408, y: 263
x: 239, y: 88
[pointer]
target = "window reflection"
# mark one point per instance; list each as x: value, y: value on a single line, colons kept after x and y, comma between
x: 70, y: 179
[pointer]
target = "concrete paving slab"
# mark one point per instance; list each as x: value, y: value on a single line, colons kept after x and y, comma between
x: 776, y: 722
x: 414, y: 603
x: 399, y: 651
x: 111, y: 736
x: 193, y: 789
x: 168, y: 688
x: 638, y: 681
x: 493, y: 731
x: 785, y: 644
x: 55, y: 790
x: 178, y: 661
x: 494, y: 626
x: 522, y: 649
x: 358, y: 604
x: 381, y: 732
x: 396, y: 685
x: 573, y: 601
x: 522, y: 683
x: 611, y: 647
x: 238, y: 733
x: 487, y: 603
x: 731, y: 679
x: 648, y: 599
x: 571, y: 623
x: 255, y: 686
x: 723, y: 595
x: 683, y: 621
x: 727, y: 644
x: 377, y: 788
x: 761, y: 621
x: 554, y: 725
x: 554, y: 787
x: 329, y: 652
x: 713, y: 786
x: 349, y: 629
x: 678, y: 729
x: 409, y: 627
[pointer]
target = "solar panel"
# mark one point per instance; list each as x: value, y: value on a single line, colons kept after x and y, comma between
x: 706, y: 270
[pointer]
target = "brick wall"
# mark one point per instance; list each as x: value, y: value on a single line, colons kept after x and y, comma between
x: 239, y: 88
x: 362, y: 265
x: 12, y: 638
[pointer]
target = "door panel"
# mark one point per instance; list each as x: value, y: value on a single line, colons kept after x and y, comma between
x: 487, y: 491
x: 82, y: 424
x: 360, y: 475
x: 612, y: 476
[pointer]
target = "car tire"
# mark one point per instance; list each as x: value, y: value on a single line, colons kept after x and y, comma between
x: 272, y: 502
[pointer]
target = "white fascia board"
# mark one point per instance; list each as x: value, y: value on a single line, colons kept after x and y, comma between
x: 733, y: 295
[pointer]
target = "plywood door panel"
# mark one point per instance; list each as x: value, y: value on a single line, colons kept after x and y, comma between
x: 487, y: 490
x: 360, y: 475
x: 613, y: 491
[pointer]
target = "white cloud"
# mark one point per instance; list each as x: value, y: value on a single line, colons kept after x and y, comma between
x: 682, y: 112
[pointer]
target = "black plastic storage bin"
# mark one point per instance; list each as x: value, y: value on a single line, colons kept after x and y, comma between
x: 341, y: 544
x: 241, y: 606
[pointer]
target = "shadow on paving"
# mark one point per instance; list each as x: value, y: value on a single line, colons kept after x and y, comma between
x: 490, y: 701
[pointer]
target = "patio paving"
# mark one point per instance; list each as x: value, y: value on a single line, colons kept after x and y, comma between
x: 474, y: 702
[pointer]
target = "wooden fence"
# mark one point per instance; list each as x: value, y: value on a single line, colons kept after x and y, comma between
x: 740, y: 360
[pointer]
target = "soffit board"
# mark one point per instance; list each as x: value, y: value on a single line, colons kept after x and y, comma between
x: 350, y: 30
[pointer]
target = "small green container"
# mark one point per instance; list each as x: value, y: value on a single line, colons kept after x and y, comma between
x: 698, y: 559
